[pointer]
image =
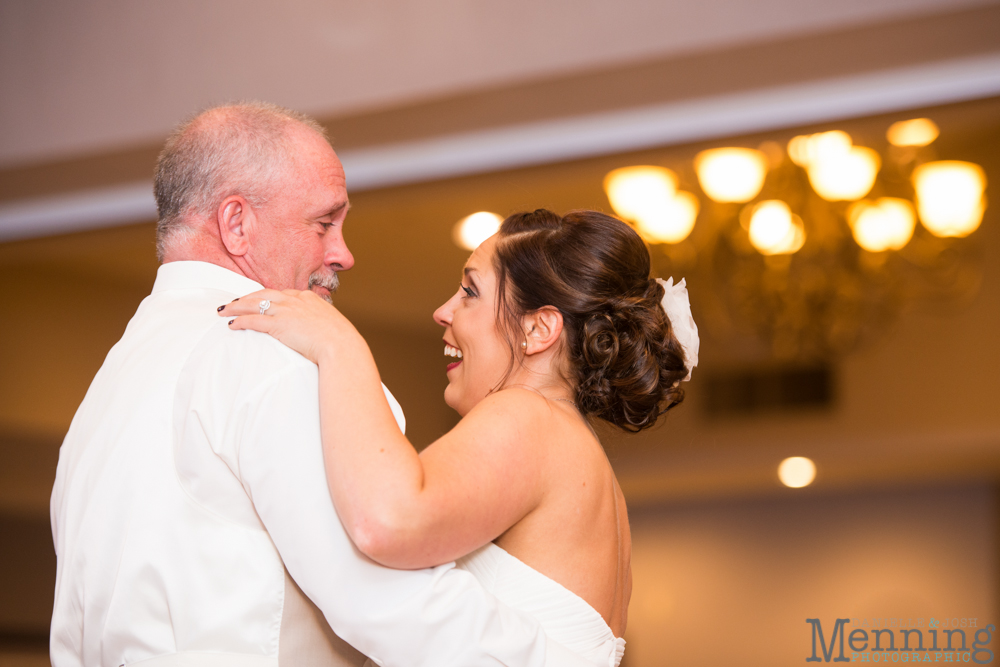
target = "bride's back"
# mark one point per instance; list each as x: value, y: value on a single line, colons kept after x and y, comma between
x: 579, y: 534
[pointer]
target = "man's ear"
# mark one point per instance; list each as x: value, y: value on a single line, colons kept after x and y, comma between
x: 542, y: 329
x: 236, y: 219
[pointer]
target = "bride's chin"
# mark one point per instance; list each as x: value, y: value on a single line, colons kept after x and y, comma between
x: 454, y: 401
x: 449, y: 398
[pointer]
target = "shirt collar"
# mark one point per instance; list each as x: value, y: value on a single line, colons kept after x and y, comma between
x: 202, y: 275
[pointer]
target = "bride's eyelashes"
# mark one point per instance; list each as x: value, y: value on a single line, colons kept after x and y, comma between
x: 469, y: 292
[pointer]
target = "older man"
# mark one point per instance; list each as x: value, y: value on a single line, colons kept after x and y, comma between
x: 190, y: 513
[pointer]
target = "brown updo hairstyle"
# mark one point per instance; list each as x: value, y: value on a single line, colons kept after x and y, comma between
x: 594, y: 269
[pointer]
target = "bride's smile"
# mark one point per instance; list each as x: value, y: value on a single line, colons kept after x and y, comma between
x: 478, y: 354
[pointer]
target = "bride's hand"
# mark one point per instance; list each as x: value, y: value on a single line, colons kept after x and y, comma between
x: 301, y: 320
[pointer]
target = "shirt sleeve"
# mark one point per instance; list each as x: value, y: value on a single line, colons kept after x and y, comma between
x: 440, y: 616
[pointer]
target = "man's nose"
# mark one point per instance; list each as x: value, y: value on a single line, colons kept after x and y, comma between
x: 338, y: 255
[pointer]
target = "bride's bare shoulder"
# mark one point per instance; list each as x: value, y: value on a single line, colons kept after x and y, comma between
x: 517, y: 419
x: 516, y: 403
x: 513, y: 417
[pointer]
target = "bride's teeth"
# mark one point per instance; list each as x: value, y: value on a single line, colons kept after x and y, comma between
x: 450, y: 351
x: 459, y: 354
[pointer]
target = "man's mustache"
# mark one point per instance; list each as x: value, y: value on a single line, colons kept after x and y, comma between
x: 330, y: 281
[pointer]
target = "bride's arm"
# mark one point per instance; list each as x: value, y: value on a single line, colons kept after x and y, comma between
x: 402, y: 509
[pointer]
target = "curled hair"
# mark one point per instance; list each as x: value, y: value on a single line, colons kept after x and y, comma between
x: 234, y: 149
x: 626, y: 362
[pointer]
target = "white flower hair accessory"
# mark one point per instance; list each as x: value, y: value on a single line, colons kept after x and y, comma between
x: 677, y: 306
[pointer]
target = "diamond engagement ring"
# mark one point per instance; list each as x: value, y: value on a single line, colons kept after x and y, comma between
x: 264, y: 305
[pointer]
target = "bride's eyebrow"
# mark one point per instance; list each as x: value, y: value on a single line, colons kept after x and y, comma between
x: 469, y: 274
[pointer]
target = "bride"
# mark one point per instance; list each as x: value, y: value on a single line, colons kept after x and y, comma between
x: 556, y: 320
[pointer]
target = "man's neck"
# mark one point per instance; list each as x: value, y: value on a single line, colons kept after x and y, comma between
x: 199, y: 249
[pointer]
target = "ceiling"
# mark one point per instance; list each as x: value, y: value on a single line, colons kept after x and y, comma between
x: 81, y: 78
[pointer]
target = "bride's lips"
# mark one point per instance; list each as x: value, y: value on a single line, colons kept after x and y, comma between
x: 452, y: 351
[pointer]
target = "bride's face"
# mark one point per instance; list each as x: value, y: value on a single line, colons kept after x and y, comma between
x: 470, y: 330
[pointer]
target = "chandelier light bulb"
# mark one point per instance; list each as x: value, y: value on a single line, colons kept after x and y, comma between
x: 885, y: 224
x: 829, y: 145
x: 774, y: 229
x: 473, y: 229
x: 843, y: 175
x: 950, y: 197
x: 807, y: 149
x: 640, y: 191
x: 797, y: 472
x: 915, y: 132
x: 798, y: 150
x: 731, y: 174
x: 672, y: 222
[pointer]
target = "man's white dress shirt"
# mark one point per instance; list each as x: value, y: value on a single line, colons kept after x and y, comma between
x: 191, y: 485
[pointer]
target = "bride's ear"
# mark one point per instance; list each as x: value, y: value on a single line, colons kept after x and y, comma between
x: 542, y: 329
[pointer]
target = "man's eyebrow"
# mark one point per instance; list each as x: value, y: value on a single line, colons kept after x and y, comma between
x: 469, y: 269
x: 343, y: 206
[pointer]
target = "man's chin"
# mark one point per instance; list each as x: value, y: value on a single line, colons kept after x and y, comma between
x: 322, y: 292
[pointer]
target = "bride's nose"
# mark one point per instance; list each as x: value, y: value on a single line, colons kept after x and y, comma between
x: 444, y: 312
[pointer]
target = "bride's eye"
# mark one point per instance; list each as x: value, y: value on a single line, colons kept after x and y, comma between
x: 468, y: 292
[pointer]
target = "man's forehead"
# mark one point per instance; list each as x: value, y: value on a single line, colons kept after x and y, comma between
x: 315, y: 159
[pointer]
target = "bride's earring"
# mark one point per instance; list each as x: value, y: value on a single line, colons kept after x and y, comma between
x: 524, y: 345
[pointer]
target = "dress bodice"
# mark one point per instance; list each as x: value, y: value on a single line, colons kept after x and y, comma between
x: 564, y: 615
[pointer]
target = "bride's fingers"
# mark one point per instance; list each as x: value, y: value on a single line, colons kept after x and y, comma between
x: 262, y: 323
x: 252, y: 303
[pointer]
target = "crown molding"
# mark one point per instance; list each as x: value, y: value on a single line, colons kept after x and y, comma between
x: 565, y: 139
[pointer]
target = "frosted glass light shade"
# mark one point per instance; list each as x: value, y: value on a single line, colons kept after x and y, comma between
x: 915, y: 132
x: 639, y: 191
x: 774, y: 229
x: 844, y: 176
x: 885, y: 224
x: 673, y: 222
x: 950, y: 198
x: 731, y: 174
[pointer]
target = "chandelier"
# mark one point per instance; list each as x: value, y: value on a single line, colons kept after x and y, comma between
x: 814, y: 244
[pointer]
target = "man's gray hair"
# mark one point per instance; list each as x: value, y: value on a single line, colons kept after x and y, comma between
x: 235, y: 149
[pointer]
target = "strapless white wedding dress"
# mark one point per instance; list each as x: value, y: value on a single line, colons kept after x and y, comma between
x: 563, y: 614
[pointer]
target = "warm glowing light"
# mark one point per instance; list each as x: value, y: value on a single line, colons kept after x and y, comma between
x: 774, y: 229
x: 807, y: 149
x: 637, y: 192
x: 846, y: 176
x: 798, y: 150
x: 473, y: 229
x: 838, y: 170
x: 796, y: 472
x: 885, y: 224
x: 731, y: 174
x: 950, y: 196
x: 916, y: 132
x: 648, y: 196
x: 672, y: 222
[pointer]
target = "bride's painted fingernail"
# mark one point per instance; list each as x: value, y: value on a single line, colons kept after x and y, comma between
x: 235, y: 300
x: 219, y: 309
x: 231, y: 321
